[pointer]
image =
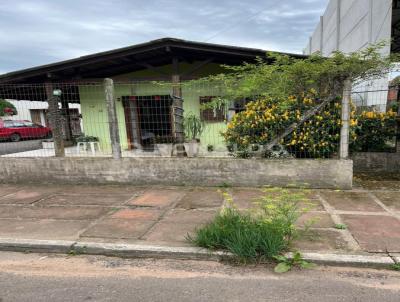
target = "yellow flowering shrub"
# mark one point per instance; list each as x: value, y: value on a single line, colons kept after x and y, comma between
x: 374, y: 130
x: 264, y: 119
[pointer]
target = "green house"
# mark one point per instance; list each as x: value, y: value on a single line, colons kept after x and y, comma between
x: 150, y: 81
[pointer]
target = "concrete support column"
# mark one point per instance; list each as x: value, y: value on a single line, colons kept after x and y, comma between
x: 338, y: 12
x: 345, y: 130
x: 112, y: 118
x: 321, y: 44
x: 54, y: 116
x: 370, y: 16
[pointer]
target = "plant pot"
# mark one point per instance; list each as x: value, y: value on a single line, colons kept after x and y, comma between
x: 165, y: 149
x: 47, y: 145
x: 192, y: 148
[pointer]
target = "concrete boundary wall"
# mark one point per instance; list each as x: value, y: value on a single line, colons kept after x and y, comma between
x: 179, y: 171
x: 377, y: 162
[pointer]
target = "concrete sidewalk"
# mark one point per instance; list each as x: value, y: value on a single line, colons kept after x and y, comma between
x: 163, y: 216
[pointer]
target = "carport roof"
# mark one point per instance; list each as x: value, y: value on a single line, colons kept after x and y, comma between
x: 132, y: 58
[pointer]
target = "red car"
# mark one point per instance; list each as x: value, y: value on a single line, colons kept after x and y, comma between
x: 19, y: 129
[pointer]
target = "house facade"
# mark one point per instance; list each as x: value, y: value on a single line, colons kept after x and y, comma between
x: 151, y: 81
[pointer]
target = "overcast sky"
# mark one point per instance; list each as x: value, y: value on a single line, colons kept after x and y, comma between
x: 35, y: 32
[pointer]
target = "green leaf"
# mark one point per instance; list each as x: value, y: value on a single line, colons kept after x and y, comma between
x: 297, y: 257
x: 307, y: 265
x: 280, y: 258
x: 282, y: 267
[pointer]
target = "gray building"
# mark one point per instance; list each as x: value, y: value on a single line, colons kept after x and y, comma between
x: 351, y: 25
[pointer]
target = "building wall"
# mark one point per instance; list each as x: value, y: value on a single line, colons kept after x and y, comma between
x: 333, y: 174
x: 350, y: 25
x: 24, y: 110
x: 94, y: 110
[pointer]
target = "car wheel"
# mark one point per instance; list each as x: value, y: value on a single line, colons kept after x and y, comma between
x: 15, y: 137
x: 49, y: 135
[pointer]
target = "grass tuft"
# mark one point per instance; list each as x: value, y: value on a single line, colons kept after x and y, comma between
x: 242, y: 235
x: 258, y: 234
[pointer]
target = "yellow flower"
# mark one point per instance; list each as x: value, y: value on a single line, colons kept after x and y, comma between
x: 370, y: 114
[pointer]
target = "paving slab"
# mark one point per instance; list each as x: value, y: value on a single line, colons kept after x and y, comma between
x: 196, y: 216
x: 41, y: 229
x: 28, y: 195
x: 321, y: 240
x: 351, y: 201
x: 65, y: 213
x: 315, y: 220
x: 138, y: 214
x: 378, y: 184
x: 170, y: 232
x: 389, y: 199
x: 103, y: 189
x: 118, y: 228
x: 87, y: 199
x: 375, y: 233
x: 8, y: 189
x: 160, y: 198
x: 201, y: 198
x: 245, y: 198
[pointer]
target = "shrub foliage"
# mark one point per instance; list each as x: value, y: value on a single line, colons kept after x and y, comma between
x: 318, y: 137
x: 6, y: 108
x: 259, y: 234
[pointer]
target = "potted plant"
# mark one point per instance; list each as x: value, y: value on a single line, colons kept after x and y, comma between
x: 165, y: 145
x: 86, y: 139
x: 193, y: 127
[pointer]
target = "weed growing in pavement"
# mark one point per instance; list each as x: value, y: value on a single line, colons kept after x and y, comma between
x: 285, y: 264
x: 396, y: 267
x: 340, y: 226
x: 258, y: 234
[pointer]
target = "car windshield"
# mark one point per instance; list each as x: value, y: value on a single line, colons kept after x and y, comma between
x: 18, y: 124
x: 8, y: 124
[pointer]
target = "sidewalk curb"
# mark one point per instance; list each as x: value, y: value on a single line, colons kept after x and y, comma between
x: 188, y: 253
x: 354, y: 260
x: 35, y: 245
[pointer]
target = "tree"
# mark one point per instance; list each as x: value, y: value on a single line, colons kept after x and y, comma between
x: 281, y: 76
x: 285, y: 94
x: 6, y: 108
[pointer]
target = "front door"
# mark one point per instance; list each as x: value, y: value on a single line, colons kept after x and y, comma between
x: 147, y: 119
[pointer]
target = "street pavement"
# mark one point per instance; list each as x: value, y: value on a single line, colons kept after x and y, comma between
x: 166, y: 215
x: 21, y: 146
x: 41, y: 277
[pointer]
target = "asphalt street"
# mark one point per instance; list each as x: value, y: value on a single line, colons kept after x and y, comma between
x: 41, y: 277
x: 7, y: 147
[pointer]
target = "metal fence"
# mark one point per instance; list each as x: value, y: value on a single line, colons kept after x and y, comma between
x: 376, y: 116
x: 170, y: 119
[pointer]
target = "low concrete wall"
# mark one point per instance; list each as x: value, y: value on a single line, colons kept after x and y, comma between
x: 180, y: 171
x: 376, y: 162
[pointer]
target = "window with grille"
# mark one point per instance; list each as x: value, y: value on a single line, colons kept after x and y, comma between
x: 211, y: 114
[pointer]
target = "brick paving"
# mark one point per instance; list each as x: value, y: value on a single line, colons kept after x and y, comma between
x: 166, y: 215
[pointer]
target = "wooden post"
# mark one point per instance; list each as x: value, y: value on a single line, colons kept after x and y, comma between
x: 112, y: 118
x: 345, y: 130
x: 67, y: 120
x: 54, y: 116
x: 398, y: 131
x: 178, y: 109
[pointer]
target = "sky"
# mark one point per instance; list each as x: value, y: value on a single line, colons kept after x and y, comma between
x: 36, y: 32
